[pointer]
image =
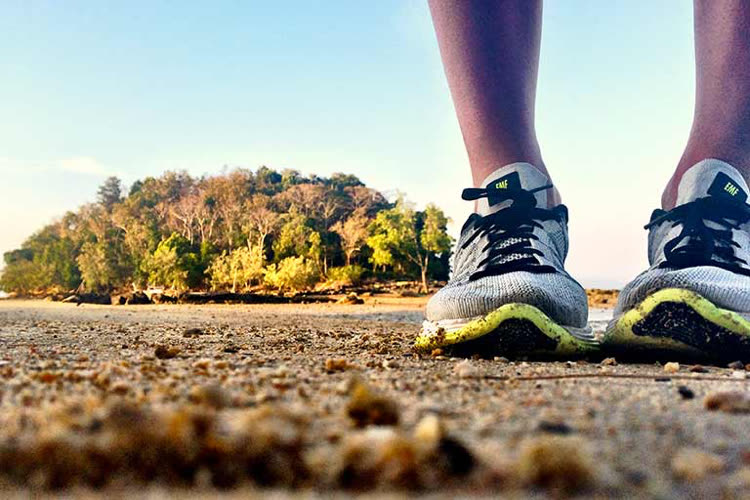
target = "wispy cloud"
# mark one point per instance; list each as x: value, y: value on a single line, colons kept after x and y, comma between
x: 83, y: 165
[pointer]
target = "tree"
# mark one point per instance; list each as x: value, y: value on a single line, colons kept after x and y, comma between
x: 433, y: 237
x: 243, y: 266
x: 353, y: 233
x: 176, y: 264
x: 292, y: 273
x: 110, y: 193
x: 260, y: 222
x: 401, y: 234
x: 296, y: 238
x: 169, y: 230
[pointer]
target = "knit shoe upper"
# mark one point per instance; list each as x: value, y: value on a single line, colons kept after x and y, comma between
x: 703, y: 244
x: 511, y: 251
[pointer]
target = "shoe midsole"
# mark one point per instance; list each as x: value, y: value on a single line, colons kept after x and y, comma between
x: 452, y: 325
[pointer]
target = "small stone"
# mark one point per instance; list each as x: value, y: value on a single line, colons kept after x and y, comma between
x: 672, y: 367
x: 691, y: 464
x: 367, y: 408
x: 389, y: 364
x: 609, y: 362
x: 166, y: 352
x: 465, y: 369
x: 120, y: 388
x: 436, y: 352
x: 209, y: 395
x: 554, y: 427
x: 556, y: 462
x: 698, y: 369
x: 193, y: 332
x: 728, y: 401
x: 337, y: 365
x: 736, y: 365
x: 685, y: 392
x: 351, y: 299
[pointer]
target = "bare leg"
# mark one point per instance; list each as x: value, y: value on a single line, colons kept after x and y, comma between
x: 721, y: 123
x: 490, y: 52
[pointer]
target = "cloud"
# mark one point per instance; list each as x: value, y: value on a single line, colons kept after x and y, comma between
x: 83, y: 165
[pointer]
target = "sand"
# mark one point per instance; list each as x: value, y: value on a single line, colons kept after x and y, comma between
x: 312, y: 400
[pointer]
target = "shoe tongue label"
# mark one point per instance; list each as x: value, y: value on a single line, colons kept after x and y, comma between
x: 725, y: 187
x: 498, y: 190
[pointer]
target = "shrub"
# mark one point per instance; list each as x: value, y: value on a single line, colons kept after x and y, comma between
x: 347, y: 275
x: 292, y: 273
x: 240, y: 268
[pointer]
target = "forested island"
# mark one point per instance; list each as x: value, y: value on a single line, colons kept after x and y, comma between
x: 238, y: 231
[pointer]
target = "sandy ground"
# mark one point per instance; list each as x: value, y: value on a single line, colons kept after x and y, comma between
x: 313, y: 400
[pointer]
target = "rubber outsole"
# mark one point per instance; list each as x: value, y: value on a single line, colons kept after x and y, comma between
x: 681, y: 322
x: 511, y: 330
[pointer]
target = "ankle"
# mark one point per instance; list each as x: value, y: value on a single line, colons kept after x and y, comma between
x: 480, y: 176
x: 692, y: 157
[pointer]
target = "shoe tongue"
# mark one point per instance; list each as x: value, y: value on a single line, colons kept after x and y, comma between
x: 711, y: 178
x: 515, y: 176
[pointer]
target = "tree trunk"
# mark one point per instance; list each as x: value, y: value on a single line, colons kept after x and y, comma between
x: 424, y: 273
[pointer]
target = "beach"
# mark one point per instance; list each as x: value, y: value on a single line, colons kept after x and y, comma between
x: 323, y: 399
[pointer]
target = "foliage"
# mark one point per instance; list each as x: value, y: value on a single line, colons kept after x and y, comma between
x: 220, y: 231
x: 353, y: 233
x: 240, y: 268
x: 292, y: 273
x: 401, y: 237
x: 176, y: 264
x: 347, y: 275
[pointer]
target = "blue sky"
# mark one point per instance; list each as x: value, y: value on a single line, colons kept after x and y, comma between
x: 91, y: 88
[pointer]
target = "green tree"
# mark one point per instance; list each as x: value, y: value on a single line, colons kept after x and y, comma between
x: 401, y: 236
x: 297, y: 239
x: 110, y: 193
x: 176, y: 264
x: 292, y: 273
x: 243, y: 267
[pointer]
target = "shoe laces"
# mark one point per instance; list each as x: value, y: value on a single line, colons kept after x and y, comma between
x: 516, y: 222
x: 699, y: 244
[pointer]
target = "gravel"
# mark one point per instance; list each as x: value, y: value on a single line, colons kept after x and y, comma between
x: 320, y: 399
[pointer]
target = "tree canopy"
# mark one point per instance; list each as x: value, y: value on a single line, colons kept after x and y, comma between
x: 237, y: 230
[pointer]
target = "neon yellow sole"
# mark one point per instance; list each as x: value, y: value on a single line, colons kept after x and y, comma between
x: 680, y: 320
x: 510, y: 329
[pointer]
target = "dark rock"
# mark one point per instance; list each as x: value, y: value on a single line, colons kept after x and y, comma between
x: 685, y: 392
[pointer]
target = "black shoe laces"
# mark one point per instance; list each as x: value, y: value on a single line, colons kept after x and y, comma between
x: 701, y: 245
x: 517, y: 221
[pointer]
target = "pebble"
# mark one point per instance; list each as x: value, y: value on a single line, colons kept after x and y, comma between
x: 728, y: 401
x: 465, y: 369
x: 691, y: 464
x: 193, y: 332
x: 367, y: 408
x: 685, y: 392
x: 556, y: 462
x: 609, y: 362
x: 166, y: 352
x: 736, y: 365
x: 672, y: 367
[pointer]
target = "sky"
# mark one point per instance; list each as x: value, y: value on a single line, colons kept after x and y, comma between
x: 90, y: 89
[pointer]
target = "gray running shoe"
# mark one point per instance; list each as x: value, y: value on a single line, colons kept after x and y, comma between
x: 509, y: 293
x: 695, y: 297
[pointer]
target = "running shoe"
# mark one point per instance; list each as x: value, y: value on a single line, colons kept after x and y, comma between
x: 695, y: 296
x: 509, y: 293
